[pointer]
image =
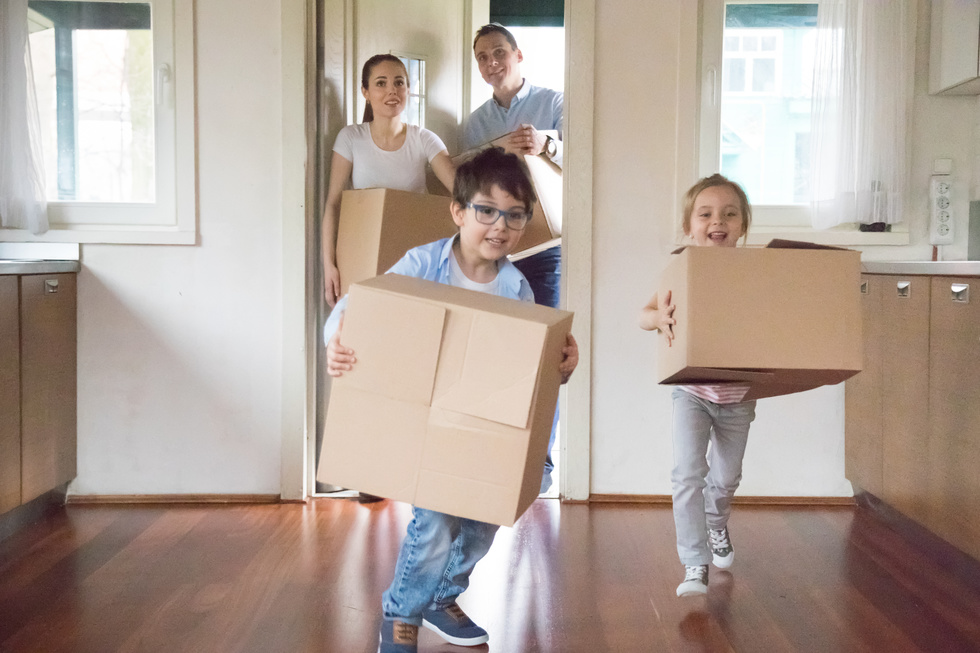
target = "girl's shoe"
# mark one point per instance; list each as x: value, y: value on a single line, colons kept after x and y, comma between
x: 695, y: 581
x: 722, y: 553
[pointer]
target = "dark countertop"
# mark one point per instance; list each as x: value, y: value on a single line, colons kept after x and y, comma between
x: 932, y: 268
x: 27, y: 266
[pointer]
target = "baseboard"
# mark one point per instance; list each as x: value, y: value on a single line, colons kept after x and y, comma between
x: 664, y: 499
x: 14, y: 520
x: 943, y: 553
x: 144, y: 499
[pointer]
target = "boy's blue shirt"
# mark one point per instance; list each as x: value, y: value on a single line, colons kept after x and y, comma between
x: 431, y: 262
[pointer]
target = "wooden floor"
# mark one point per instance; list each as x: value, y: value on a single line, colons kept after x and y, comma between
x: 567, y: 579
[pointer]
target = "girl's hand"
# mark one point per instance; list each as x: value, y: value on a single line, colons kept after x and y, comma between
x: 570, y: 358
x: 331, y: 284
x: 654, y: 316
x: 340, y: 359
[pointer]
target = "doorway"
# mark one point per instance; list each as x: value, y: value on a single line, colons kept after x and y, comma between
x: 350, y: 31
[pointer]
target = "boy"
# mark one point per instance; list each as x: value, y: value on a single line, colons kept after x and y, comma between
x: 492, y: 202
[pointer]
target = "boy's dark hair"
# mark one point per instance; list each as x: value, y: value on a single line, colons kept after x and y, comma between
x: 490, y: 28
x: 493, y: 167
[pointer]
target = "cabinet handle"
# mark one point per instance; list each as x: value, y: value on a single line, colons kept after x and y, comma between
x: 864, y: 287
x: 960, y: 292
x: 50, y: 285
x: 904, y: 288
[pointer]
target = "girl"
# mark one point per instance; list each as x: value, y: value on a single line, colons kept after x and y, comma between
x: 716, y: 214
x: 381, y: 152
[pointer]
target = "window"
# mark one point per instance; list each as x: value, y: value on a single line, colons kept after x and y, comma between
x: 414, y: 113
x: 755, y: 108
x: 115, y: 97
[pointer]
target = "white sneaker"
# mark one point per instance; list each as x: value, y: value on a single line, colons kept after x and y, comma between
x: 722, y: 553
x: 695, y: 581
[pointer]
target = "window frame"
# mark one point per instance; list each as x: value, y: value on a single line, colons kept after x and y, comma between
x: 768, y: 220
x: 419, y: 91
x: 172, y: 217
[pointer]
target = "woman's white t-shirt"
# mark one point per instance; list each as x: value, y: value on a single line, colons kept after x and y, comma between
x: 403, y: 169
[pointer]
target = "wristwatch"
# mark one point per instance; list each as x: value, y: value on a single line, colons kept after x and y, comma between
x: 550, y: 147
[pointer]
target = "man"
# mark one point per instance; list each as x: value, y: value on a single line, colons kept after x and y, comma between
x: 519, y: 110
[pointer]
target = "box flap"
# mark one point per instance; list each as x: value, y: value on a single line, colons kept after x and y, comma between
x: 546, y: 177
x: 488, y: 366
x: 396, y: 340
x: 781, y: 243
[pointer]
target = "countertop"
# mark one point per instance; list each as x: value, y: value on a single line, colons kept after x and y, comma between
x: 933, y: 268
x: 37, y: 266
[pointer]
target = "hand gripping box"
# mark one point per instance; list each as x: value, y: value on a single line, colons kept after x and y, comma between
x: 450, y: 404
x: 784, y: 318
x: 378, y: 225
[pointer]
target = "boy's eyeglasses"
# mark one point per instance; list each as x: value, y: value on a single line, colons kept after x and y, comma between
x: 515, y: 220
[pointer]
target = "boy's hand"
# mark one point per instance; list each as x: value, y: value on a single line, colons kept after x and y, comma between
x: 659, y: 317
x: 340, y: 359
x: 570, y: 358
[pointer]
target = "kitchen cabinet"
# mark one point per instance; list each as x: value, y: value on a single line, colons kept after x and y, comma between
x: 954, y: 48
x: 9, y: 394
x: 954, y: 409
x: 912, y: 417
x: 37, y: 385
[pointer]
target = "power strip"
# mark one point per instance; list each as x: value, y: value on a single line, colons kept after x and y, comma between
x: 941, y: 212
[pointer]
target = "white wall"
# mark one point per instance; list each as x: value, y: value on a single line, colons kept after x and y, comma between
x: 645, y: 94
x: 180, y: 350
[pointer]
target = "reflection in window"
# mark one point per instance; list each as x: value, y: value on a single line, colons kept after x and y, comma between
x: 414, y: 113
x: 93, y: 70
x: 767, y: 73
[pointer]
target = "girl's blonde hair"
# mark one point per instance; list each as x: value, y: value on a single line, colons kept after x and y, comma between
x: 717, y: 180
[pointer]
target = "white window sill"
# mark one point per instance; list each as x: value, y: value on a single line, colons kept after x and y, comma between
x: 130, y: 235
x: 843, y: 236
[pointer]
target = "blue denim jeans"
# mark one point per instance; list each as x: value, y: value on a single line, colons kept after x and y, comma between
x: 434, y: 565
x: 543, y: 274
x: 704, y: 481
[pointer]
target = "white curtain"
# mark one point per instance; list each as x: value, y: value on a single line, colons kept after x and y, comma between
x: 862, y: 94
x: 22, y: 199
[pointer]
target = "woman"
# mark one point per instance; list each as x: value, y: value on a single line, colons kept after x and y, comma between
x: 381, y: 152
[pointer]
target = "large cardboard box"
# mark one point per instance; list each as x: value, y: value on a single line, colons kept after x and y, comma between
x: 785, y: 318
x: 450, y: 404
x: 378, y: 225
x: 544, y: 229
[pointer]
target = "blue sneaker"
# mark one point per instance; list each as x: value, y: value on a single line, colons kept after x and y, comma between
x: 398, y: 637
x: 452, y: 624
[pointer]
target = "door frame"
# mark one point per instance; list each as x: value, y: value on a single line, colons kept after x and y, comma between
x: 299, y: 266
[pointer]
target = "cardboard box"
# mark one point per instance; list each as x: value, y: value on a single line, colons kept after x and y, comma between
x: 784, y: 318
x: 544, y: 229
x: 451, y: 402
x: 378, y: 225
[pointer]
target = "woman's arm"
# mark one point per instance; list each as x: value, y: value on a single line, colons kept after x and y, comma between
x: 340, y: 173
x: 443, y: 166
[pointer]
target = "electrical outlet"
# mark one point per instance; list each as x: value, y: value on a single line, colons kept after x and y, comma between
x: 940, y: 209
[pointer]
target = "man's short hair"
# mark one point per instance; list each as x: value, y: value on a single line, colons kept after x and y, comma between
x: 493, y: 167
x: 490, y: 28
